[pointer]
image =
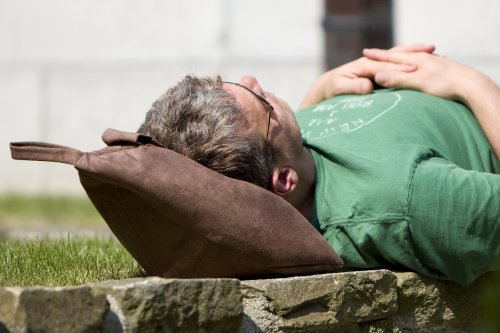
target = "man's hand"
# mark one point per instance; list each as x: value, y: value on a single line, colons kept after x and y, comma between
x: 356, y: 77
x: 445, y: 78
x: 433, y: 74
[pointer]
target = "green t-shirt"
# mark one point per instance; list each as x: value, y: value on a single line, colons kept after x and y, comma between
x: 404, y: 179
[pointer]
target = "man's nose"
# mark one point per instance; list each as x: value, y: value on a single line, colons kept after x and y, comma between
x: 249, y: 81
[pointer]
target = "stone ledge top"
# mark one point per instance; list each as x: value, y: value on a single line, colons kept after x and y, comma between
x: 357, y: 301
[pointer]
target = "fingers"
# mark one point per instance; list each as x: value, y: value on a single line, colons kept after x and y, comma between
x: 427, y: 48
x: 364, y: 86
x: 381, y: 66
x: 393, y: 79
x: 367, y: 68
x: 359, y: 86
x: 399, y: 53
x: 396, y: 57
x: 383, y: 79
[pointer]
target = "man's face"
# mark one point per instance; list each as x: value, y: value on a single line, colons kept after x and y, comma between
x: 284, y: 133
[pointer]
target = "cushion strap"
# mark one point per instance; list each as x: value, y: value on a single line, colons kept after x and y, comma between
x: 41, y: 151
x: 113, y: 137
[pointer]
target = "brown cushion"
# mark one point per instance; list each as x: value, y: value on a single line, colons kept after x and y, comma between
x: 180, y: 219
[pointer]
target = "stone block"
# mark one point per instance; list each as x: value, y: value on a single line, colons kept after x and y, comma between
x: 68, y: 309
x: 430, y: 305
x: 172, y: 305
x: 328, y: 302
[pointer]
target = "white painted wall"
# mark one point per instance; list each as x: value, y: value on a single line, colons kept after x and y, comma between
x: 463, y: 30
x: 70, y: 69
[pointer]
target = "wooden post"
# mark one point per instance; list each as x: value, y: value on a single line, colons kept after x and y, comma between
x: 351, y: 25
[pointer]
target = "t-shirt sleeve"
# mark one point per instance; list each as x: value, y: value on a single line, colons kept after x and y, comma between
x: 454, y: 219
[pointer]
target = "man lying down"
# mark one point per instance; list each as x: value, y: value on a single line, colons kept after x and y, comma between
x: 401, y: 178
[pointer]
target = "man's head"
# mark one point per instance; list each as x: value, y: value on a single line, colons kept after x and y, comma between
x: 224, y: 127
x: 199, y: 119
x: 278, y: 125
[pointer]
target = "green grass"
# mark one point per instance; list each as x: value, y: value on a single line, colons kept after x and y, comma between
x: 22, y: 210
x: 63, y: 262
x: 58, y: 262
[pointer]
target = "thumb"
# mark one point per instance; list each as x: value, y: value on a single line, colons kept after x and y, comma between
x: 390, y: 79
x: 358, y: 86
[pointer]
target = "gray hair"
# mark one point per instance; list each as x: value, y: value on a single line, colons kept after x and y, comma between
x: 199, y: 119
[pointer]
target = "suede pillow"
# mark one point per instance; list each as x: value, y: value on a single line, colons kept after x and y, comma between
x: 180, y: 219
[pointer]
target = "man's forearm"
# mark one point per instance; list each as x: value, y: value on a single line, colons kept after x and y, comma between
x: 316, y: 92
x: 482, y: 96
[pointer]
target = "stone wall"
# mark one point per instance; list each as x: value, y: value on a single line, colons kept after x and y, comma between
x: 368, y: 301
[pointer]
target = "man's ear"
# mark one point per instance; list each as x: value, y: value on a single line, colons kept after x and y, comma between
x: 284, y: 180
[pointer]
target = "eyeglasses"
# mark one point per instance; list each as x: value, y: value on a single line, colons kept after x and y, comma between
x: 261, y: 98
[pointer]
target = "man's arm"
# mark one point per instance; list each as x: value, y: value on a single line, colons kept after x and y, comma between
x: 356, y: 77
x: 445, y: 78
